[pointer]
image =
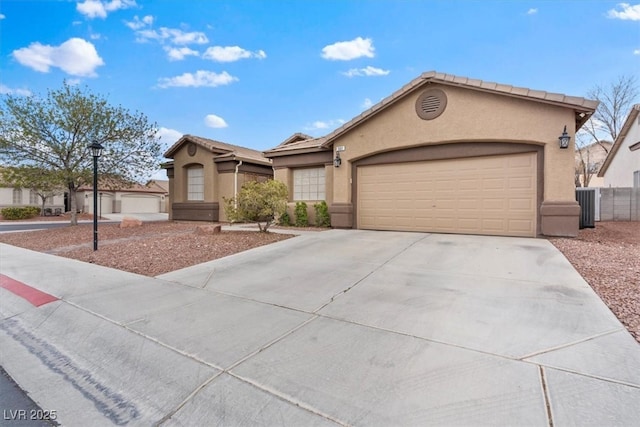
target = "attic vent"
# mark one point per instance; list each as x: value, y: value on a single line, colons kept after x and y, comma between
x: 431, y: 103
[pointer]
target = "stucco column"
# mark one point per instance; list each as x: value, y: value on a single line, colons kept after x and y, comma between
x: 560, y: 212
x: 341, y: 207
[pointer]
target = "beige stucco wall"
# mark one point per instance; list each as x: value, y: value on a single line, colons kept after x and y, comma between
x: 620, y: 170
x: 469, y: 116
x: 6, y: 199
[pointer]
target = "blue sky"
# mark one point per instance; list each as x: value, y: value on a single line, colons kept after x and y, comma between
x: 252, y: 73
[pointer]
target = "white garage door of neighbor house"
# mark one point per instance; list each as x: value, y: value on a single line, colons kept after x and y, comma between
x: 140, y: 204
x: 494, y: 195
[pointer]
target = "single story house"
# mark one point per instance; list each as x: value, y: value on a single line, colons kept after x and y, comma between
x: 17, y: 197
x: 136, y: 198
x: 622, y: 165
x: 204, y: 172
x: 446, y: 154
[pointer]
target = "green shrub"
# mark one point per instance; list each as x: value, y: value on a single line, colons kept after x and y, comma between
x: 323, y: 219
x: 302, y: 217
x: 284, y: 219
x: 24, y: 212
x: 259, y: 202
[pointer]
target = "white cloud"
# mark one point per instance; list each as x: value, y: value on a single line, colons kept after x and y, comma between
x: 6, y: 90
x: 200, y: 78
x: 367, y: 103
x: 2, y: 16
x: 367, y: 71
x: 319, y: 124
x: 179, y: 53
x: 532, y: 11
x: 95, y: 36
x: 173, y: 35
x: 214, y: 121
x: 138, y: 23
x: 168, y: 136
x: 72, y: 82
x: 629, y: 12
x: 344, y: 51
x: 76, y: 57
x: 99, y: 9
x: 231, y: 53
x: 636, y: 52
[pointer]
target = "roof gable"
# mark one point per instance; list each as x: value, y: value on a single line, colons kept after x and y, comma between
x: 584, y: 107
x: 296, y: 137
x: 218, y: 149
x: 631, y: 119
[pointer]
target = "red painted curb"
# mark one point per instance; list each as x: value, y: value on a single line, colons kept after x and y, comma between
x: 34, y: 296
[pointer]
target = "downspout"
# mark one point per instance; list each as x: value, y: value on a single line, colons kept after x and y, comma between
x: 235, y: 185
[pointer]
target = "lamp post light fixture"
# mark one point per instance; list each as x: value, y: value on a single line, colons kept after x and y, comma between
x: 564, y: 138
x: 96, y: 151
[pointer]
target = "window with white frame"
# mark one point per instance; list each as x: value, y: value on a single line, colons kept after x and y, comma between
x: 195, y: 183
x: 17, y: 196
x: 308, y: 184
x: 33, y: 198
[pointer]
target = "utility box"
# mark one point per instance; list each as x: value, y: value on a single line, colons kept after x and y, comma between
x: 586, y: 198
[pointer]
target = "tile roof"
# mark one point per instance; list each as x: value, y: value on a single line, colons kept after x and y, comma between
x: 633, y: 114
x: 223, y: 149
x: 308, y: 144
x: 581, y: 105
x: 152, y: 187
x: 585, y: 107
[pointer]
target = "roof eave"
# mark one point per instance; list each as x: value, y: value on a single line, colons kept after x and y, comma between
x: 581, y: 105
x: 633, y: 114
x: 280, y: 153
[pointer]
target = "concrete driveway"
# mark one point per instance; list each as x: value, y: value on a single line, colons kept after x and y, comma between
x: 339, y: 327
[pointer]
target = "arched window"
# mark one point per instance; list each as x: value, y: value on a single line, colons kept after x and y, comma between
x: 195, y: 183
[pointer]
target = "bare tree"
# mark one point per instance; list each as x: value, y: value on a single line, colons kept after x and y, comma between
x: 603, y: 127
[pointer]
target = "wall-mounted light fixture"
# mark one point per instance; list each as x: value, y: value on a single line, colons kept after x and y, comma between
x: 564, y: 138
x: 337, y: 161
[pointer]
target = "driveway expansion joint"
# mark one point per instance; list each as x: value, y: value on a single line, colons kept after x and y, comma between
x: 570, y: 344
x: 545, y: 391
x: 289, y: 399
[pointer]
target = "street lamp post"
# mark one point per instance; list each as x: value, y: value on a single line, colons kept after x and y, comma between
x: 96, y: 151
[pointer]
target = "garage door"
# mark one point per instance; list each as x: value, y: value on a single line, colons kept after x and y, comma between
x: 493, y: 195
x: 140, y: 204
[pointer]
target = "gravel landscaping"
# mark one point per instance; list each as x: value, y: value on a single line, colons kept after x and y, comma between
x: 152, y: 249
x: 607, y: 256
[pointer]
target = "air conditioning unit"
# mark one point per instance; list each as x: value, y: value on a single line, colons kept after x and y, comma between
x: 586, y: 198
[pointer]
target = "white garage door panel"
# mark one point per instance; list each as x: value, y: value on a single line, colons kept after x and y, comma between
x: 140, y: 204
x: 486, y: 195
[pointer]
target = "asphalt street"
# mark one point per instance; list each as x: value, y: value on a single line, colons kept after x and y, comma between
x: 17, y: 407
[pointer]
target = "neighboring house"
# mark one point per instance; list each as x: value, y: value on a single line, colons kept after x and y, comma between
x: 204, y: 172
x: 14, y: 197
x: 445, y: 154
x: 137, y: 198
x: 622, y: 166
x: 592, y: 158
